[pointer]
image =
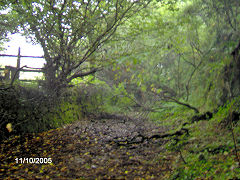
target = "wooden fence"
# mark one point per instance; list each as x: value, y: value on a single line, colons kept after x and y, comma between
x: 12, y: 73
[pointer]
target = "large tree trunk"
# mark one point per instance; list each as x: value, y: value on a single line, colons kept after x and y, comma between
x: 51, y: 84
x: 231, y: 76
x: 235, y: 80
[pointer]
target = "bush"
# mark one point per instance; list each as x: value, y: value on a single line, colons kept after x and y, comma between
x: 90, y: 98
x: 26, y: 108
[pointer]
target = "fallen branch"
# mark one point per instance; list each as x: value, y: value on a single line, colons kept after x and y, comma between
x: 167, y: 98
x: 141, y: 138
x: 205, y: 116
x: 184, y: 104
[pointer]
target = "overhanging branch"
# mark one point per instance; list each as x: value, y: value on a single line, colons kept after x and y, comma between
x: 81, y: 74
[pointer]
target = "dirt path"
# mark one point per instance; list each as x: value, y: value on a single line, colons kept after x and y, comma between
x: 98, y: 148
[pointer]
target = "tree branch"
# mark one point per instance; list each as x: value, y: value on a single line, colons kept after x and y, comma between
x: 184, y: 104
x: 78, y: 74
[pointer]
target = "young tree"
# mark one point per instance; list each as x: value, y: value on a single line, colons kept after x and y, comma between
x: 70, y: 31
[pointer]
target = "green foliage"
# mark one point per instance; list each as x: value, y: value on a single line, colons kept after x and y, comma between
x: 211, y: 167
x: 90, y: 98
x: 122, y: 97
x: 71, y: 34
x: 65, y: 113
x: 23, y: 109
x: 182, y: 51
x: 8, y: 22
x: 94, y: 96
x: 8, y: 108
x: 225, y: 110
x: 171, y: 115
x: 29, y: 110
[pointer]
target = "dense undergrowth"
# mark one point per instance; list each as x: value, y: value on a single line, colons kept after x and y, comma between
x: 29, y: 108
x: 207, y: 151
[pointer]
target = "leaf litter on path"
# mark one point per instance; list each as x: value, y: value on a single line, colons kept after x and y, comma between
x: 85, y: 150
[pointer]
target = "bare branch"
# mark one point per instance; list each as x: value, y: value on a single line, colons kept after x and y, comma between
x: 81, y: 74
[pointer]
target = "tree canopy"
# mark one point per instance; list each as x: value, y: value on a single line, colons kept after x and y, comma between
x: 71, y: 31
x: 8, y: 22
x: 177, y: 50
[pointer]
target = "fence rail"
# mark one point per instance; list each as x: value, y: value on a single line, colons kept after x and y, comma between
x: 12, y: 73
x: 7, y: 55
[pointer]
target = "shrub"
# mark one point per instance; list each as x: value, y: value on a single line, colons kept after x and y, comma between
x: 26, y: 108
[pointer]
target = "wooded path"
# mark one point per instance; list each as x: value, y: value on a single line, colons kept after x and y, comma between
x: 98, y: 148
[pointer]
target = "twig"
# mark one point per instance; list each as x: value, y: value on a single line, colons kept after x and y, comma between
x: 181, y: 156
x: 15, y: 74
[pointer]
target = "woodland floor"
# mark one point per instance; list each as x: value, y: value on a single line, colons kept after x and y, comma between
x: 99, y: 148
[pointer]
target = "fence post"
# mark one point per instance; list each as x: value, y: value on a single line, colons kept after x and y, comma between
x: 18, y: 62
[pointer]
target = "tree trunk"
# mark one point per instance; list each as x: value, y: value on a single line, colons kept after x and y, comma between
x: 51, y: 84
